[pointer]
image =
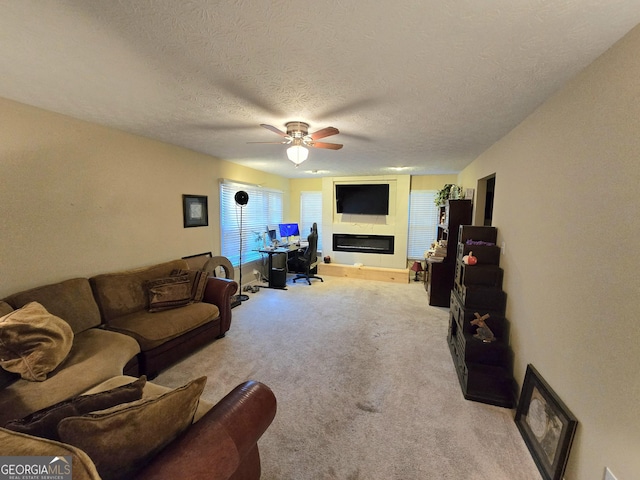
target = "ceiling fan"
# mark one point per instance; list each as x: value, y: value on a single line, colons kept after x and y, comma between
x: 298, y: 137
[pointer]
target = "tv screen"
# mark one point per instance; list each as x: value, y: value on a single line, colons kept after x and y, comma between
x: 363, y: 199
x: 289, y: 229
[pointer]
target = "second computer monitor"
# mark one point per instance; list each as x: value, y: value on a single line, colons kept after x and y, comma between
x: 289, y: 230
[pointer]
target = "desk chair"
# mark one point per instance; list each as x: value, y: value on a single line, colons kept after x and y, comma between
x: 307, y: 260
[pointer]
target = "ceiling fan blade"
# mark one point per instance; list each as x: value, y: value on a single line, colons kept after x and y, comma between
x: 274, y: 129
x: 273, y: 143
x: 330, y: 146
x: 325, y: 132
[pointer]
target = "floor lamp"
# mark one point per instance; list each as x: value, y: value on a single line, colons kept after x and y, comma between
x: 241, y: 199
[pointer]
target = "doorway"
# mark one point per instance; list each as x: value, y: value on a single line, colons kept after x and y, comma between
x: 488, y: 206
x: 484, y: 208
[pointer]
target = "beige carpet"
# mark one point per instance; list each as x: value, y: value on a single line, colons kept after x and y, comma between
x: 365, y: 385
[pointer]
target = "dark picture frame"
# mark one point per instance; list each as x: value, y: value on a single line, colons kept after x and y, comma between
x: 197, y: 261
x: 195, y: 211
x: 546, y: 425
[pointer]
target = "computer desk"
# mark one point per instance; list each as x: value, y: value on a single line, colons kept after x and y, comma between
x: 271, y: 251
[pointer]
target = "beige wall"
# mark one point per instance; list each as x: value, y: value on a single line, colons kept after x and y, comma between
x: 418, y: 182
x: 297, y: 186
x: 395, y: 224
x: 79, y: 199
x: 433, y: 182
x: 566, y: 207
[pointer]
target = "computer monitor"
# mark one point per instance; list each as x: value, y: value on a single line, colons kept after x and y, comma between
x: 273, y: 237
x: 289, y: 230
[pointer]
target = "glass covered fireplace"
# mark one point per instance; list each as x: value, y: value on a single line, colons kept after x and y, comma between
x: 380, y: 244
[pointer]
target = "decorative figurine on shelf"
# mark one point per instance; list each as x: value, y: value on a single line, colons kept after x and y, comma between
x: 469, y: 259
x: 483, y: 333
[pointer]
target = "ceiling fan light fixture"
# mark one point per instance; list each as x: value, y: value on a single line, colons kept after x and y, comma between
x: 297, y: 154
x: 299, y: 140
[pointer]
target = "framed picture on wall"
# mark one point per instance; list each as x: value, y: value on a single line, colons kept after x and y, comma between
x: 197, y: 261
x: 195, y: 211
x: 546, y: 424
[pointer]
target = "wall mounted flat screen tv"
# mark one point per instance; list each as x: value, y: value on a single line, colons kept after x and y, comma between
x: 363, y: 199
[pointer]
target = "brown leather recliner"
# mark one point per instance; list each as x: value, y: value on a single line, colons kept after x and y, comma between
x: 223, y: 443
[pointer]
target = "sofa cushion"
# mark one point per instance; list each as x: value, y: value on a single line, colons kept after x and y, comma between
x: 16, y: 444
x: 95, y: 356
x: 123, y: 439
x: 154, y: 329
x: 71, y: 300
x: 123, y: 293
x: 169, y: 292
x: 44, y: 423
x: 33, y: 342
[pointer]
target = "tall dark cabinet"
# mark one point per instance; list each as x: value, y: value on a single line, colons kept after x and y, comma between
x: 484, y: 368
x: 440, y: 276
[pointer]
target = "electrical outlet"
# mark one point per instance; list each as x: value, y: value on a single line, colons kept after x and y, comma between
x: 503, y: 247
x: 608, y: 475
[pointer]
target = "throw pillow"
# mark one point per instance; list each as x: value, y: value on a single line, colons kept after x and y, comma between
x: 33, y: 342
x: 122, y: 440
x: 169, y: 292
x: 16, y: 444
x: 44, y: 423
x: 198, y: 280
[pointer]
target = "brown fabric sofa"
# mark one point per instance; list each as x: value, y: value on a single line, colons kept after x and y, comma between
x: 96, y: 354
x: 164, y: 336
x: 114, y: 333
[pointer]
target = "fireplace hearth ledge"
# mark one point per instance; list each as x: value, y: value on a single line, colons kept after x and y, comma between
x: 382, y: 274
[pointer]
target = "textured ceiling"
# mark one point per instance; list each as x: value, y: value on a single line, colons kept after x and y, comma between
x: 422, y: 84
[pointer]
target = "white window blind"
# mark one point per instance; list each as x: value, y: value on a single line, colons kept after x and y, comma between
x: 423, y: 222
x: 263, y: 208
x: 310, y: 212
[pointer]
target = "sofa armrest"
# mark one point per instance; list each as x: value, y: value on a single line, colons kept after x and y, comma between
x: 219, y: 292
x: 216, y: 445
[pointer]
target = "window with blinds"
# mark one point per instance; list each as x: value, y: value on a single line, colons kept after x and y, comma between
x: 423, y: 222
x: 263, y: 208
x: 310, y: 212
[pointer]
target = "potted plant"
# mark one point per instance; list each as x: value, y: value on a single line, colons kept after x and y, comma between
x: 449, y: 191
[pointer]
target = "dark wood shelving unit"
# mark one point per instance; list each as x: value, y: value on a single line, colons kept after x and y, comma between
x: 439, y: 276
x: 484, y: 369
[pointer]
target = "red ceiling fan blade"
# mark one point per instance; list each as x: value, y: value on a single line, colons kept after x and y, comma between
x: 330, y: 146
x: 273, y: 143
x: 325, y: 132
x: 274, y: 129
